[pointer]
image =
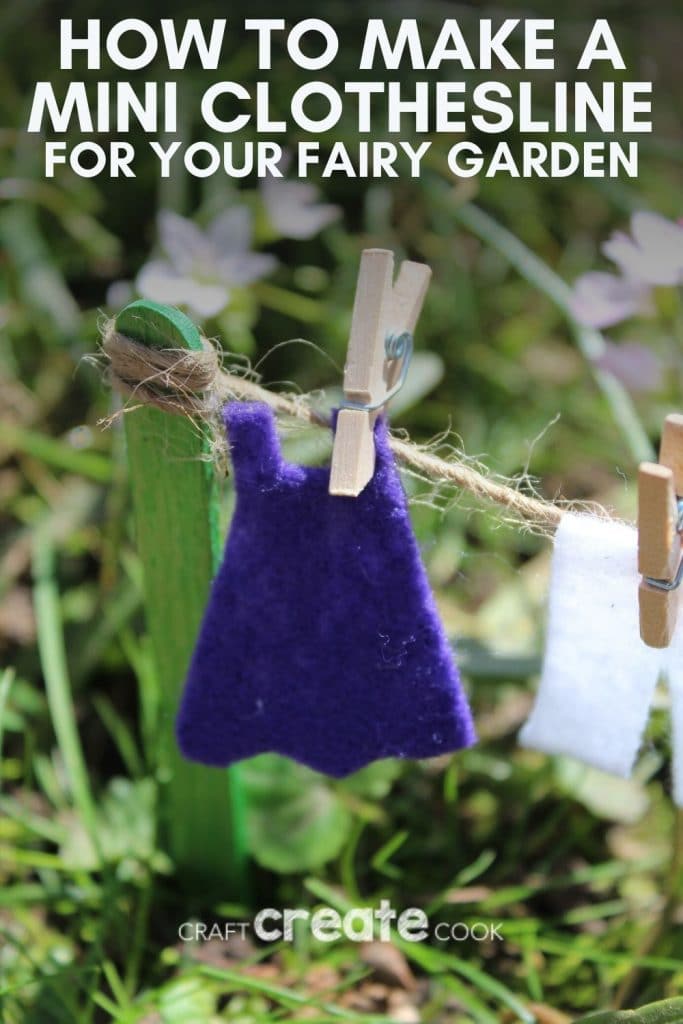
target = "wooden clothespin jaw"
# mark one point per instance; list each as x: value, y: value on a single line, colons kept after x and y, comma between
x: 660, y: 525
x: 380, y: 345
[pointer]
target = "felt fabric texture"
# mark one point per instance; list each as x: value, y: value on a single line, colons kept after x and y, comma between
x: 598, y: 676
x: 321, y: 640
x: 674, y: 670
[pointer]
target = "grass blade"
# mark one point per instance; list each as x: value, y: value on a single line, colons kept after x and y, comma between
x: 54, y: 667
x: 6, y: 680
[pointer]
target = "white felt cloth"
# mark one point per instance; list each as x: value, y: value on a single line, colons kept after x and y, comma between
x: 674, y: 669
x: 598, y: 676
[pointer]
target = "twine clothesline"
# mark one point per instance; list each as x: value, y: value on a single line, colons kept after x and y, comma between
x: 195, y: 384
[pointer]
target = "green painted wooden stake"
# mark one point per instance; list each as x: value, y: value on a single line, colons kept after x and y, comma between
x: 176, y: 518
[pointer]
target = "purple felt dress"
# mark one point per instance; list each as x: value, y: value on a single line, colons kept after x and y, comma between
x: 321, y: 640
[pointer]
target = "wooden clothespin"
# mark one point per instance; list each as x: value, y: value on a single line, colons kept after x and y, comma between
x: 660, y: 488
x: 380, y: 345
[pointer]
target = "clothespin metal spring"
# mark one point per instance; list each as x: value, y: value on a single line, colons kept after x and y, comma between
x: 674, y: 584
x: 396, y: 346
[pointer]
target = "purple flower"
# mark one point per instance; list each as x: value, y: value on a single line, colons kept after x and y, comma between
x: 651, y: 256
x: 601, y: 300
x: 635, y: 365
x: 201, y: 268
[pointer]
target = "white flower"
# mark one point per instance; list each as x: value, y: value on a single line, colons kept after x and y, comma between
x: 654, y: 253
x: 602, y: 300
x: 293, y: 207
x: 119, y: 294
x: 201, y: 268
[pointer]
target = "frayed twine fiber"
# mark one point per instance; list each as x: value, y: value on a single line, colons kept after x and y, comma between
x: 173, y: 380
x: 194, y: 384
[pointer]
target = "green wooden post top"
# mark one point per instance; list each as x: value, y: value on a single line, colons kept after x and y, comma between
x: 176, y: 519
x: 158, y: 326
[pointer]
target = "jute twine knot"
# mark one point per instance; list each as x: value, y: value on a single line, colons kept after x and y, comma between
x: 174, y: 380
